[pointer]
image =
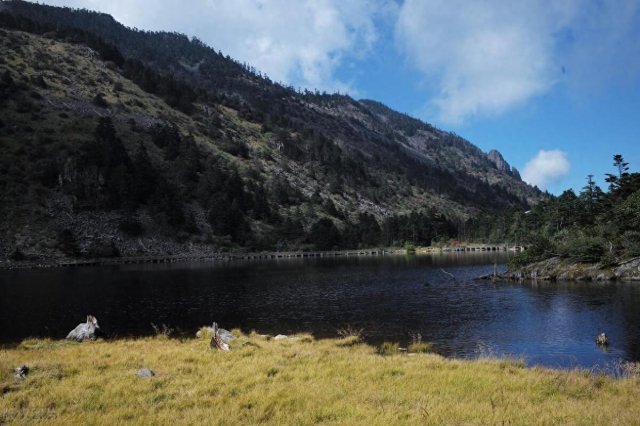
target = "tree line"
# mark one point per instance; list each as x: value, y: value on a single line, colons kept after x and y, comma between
x: 594, y: 225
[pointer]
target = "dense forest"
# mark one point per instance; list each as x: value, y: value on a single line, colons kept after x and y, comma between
x: 591, y: 226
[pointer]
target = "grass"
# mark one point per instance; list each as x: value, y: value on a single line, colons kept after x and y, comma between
x: 295, y: 381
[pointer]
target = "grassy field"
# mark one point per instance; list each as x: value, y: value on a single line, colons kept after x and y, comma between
x: 301, y: 381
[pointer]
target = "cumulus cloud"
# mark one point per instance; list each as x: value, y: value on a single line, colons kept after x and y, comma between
x: 301, y: 43
x: 487, y: 57
x: 546, y: 168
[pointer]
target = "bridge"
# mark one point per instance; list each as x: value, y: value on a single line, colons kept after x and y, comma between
x: 225, y: 257
x: 472, y: 247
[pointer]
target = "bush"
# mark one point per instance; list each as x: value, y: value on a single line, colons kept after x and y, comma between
x: 409, y: 247
x: 131, y: 227
x: 100, y: 101
x: 630, y: 243
x: 583, y: 249
x: 539, y: 248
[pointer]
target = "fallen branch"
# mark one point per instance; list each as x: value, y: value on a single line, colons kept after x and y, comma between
x: 453, y: 277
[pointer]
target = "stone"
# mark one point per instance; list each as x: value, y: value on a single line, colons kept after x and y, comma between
x: 602, y: 339
x: 145, y: 372
x: 21, y: 372
x: 89, y: 330
x: 281, y: 337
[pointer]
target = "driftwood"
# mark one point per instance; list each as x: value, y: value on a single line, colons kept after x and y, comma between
x: 453, y: 277
x: 216, y: 340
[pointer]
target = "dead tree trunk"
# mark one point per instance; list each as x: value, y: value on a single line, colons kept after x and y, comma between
x: 216, y: 340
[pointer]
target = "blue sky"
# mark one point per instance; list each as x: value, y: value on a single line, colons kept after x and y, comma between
x: 554, y: 86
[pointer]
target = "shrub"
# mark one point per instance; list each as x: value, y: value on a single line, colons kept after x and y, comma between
x: 409, y: 247
x: 630, y: 243
x: 583, y: 249
x: 100, y: 101
x: 131, y: 227
x: 539, y: 248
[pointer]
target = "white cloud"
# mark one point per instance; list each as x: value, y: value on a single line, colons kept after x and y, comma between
x: 484, y: 58
x: 297, y: 42
x: 546, y: 168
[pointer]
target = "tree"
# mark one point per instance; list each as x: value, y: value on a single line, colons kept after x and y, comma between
x: 324, y: 235
x: 623, y: 167
x: 591, y: 196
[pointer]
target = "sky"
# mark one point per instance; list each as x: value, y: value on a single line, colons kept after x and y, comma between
x: 554, y: 86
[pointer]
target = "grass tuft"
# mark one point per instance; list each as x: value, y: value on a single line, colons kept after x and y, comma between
x: 388, y: 348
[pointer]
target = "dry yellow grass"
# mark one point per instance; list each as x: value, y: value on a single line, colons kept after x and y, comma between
x: 294, y: 382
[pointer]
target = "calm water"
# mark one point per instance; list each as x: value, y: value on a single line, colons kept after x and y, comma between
x: 389, y: 297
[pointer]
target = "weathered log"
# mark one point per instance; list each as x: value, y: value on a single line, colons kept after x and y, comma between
x: 216, y: 340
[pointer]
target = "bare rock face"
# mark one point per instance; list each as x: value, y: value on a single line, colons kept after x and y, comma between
x: 501, y: 164
x: 515, y: 173
x: 497, y: 159
x: 89, y: 330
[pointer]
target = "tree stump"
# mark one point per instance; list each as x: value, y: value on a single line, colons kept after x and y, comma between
x: 602, y: 340
x: 216, y: 340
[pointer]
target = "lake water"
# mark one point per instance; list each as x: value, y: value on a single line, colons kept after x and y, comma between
x: 389, y: 297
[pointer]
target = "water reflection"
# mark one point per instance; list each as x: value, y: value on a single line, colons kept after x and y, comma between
x: 389, y: 297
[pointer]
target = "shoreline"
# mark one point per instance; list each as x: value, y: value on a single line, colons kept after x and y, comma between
x: 236, y: 256
x: 559, y: 269
x: 218, y: 257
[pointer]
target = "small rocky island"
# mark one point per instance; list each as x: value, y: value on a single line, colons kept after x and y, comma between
x: 559, y: 269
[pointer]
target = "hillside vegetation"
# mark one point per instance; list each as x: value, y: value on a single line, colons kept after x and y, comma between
x: 295, y: 381
x: 596, y: 228
x: 123, y: 142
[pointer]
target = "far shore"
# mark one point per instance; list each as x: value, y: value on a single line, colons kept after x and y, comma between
x: 235, y: 256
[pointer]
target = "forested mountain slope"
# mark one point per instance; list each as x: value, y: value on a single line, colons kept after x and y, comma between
x: 122, y: 142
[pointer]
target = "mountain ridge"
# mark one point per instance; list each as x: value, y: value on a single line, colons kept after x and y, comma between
x: 280, y: 168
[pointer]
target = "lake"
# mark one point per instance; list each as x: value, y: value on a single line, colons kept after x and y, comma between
x: 390, y: 297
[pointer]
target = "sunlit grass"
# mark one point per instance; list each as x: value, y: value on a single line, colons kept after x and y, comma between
x: 295, y: 381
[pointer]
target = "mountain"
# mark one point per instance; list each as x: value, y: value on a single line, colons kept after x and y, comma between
x: 124, y: 142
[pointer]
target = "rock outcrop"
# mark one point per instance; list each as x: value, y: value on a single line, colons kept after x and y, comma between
x: 497, y: 159
x: 501, y: 164
x: 89, y: 330
x: 558, y: 269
